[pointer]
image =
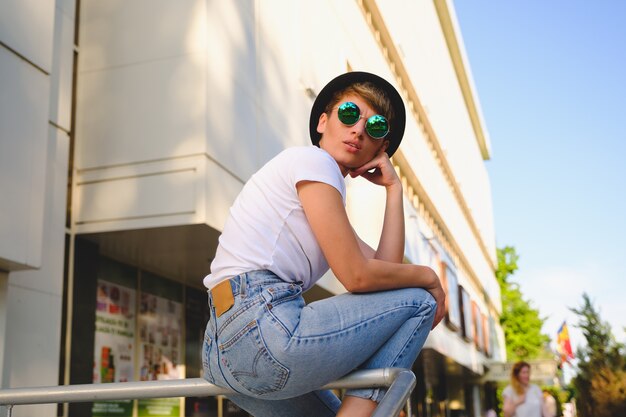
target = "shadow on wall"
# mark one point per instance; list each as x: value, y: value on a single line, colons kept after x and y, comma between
x: 163, y: 80
x: 254, y: 111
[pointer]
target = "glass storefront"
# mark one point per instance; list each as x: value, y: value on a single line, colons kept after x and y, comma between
x: 133, y: 325
x: 143, y: 327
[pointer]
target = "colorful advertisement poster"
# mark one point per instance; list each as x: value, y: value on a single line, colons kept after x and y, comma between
x: 114, y: 343
x: 169, y: 407
x: 160, y: 338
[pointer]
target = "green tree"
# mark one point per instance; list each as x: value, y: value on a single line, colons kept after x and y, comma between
x: 520, y: 321
x: 600, y: 383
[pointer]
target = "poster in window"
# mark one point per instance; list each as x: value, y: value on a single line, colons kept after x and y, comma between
x: 160, y: 343
x: 114, y: 343
x: 486, y: 336
x: 478, y: 327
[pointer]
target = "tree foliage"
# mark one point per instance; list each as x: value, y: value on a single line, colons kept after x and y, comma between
x: 600, y: 383
x: 521, y: 323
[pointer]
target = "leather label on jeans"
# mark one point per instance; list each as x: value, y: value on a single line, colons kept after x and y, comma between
x: 223, y: 298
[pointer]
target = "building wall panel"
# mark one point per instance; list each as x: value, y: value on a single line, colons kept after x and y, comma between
x: 62, y: 71
x: 150, y: 111
x: 118, y: 33
x: 27, y: 26
x: 149, y: 194
x: 23, y: 146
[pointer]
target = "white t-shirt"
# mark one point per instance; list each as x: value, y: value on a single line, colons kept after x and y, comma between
x: 532, y: 406
x: 267, y: 228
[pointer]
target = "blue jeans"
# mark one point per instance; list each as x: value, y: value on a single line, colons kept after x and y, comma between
x: 276, y: 352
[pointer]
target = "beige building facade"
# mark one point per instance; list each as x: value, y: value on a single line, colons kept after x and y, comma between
x: 127, y: 128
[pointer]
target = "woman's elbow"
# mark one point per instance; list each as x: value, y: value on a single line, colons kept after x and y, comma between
x: 354, y: 280
x: 352, y: 284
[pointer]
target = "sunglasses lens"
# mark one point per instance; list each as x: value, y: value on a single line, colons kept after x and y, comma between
x: 348, y: 113
x: 377, y: 126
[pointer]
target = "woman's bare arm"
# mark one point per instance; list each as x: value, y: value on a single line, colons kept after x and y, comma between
x: 510, y: 405
x: 327, y: 217
x: 381, y: 172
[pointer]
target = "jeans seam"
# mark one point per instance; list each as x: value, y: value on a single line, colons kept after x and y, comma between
x: 245, y: 307
x: 355, y: 326
x: 281, y: 373
x: 285, y: 299
x: 279, y: 322
x: 406, y: 343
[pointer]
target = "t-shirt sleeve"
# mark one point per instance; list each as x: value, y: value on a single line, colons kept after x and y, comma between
x: 507, y: 392
x: 312, y: 164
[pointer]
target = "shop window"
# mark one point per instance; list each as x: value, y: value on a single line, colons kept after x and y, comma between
x: 160, y: 328
x: 466, y: 314
x: 160, y: 322
x: 140, y: 322
x: 114, y: 341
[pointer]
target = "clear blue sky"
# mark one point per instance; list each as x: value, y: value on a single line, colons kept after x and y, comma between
x: 551, y: 80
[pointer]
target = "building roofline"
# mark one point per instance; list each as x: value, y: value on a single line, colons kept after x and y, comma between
x: 451, y: 33
x: 377, y: 25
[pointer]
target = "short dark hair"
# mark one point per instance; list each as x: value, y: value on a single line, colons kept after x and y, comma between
x: 374, y: 96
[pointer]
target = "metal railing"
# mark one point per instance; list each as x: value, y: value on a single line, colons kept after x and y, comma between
x: 399, y: 384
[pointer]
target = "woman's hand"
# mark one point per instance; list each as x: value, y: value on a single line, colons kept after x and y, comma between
x: 510, y: 405
x: 379, y: 171
x: 436, y: 290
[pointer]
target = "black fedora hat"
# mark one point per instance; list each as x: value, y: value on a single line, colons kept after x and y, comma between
x: 396, y: 129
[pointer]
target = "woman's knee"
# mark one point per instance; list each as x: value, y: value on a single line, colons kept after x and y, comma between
x: 418, y: 296
x: 421, y: 299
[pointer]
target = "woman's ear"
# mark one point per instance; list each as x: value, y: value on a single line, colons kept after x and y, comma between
x: 321, y: 124
x: 384, y: 147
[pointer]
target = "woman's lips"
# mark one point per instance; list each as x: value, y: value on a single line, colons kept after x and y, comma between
x: 352, y: 147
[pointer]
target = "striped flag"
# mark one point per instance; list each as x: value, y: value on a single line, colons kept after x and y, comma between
x: 563, y: 345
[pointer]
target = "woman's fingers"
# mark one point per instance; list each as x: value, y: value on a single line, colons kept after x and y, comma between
x: 379, y: 171
x: 440, y: 297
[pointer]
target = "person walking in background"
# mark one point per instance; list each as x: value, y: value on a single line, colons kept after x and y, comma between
x: 286, y: 227
x: 521, y: 398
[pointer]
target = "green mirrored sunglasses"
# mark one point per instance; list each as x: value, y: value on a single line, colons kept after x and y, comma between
x: 376, y: 126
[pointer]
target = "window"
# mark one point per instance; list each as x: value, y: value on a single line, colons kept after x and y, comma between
x: 486, y: 333
x: 478, y: 327
x: 453, y: 316
x: 413, y: 238
x: 493, y: 338
x: 466, y: 314
x: 431, y: 256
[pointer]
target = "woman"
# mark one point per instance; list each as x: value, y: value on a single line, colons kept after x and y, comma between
x: 521, y: 398
x: 285, y: 229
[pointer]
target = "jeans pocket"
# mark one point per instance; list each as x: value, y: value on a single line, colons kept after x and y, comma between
x: 251, y: 364
x: 284, y: 307
x: 282, y: 292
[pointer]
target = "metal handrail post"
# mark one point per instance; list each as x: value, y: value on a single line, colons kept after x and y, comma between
x: 191, y: 387
x: 396, y: 396
x: 400, y: 383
